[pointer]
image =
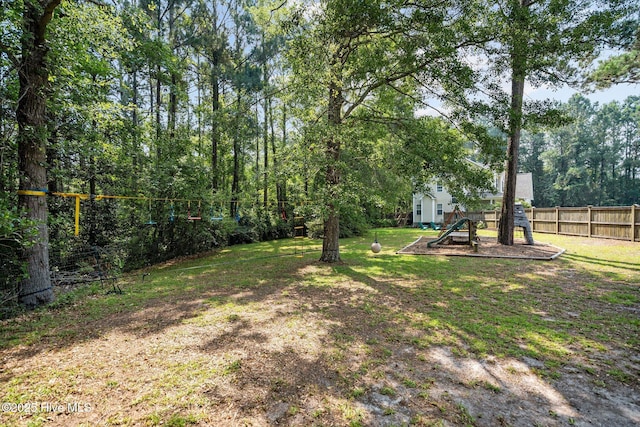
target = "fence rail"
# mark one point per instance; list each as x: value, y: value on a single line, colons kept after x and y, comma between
x: 618, y: 222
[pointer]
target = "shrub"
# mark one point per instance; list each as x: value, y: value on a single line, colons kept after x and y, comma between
x: 16, y: 233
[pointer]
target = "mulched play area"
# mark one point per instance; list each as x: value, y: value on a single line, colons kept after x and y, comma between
x: 487, y: 247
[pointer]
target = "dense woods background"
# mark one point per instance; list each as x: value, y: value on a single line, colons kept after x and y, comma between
x: 249, y: 114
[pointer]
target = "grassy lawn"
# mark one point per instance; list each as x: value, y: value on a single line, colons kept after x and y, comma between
x: 253, y: 335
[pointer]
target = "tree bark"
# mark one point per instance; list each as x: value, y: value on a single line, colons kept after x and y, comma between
x: 265, y: 153
x: 173, y: 97
x: 518, y: 73
x: 158, y: 122
x: 215, y: 59
x: 506, y: 228
x: 235, y: 183
x: 215, y: 138
x: 331, y: 242
x: 32, y: 141
x: 281, y: 183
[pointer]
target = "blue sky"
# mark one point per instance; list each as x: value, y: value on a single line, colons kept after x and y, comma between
x: 615, y: 93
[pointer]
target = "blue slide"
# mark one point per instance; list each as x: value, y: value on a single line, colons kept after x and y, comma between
x: 454, y: 227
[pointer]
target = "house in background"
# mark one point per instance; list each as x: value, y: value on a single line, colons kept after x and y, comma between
x: 432, y: 205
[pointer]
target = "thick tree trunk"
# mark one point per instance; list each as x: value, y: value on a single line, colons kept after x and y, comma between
x: 518, y: 64
x: 32, y: 141
x: 331, y: 242
x: 505, y: 230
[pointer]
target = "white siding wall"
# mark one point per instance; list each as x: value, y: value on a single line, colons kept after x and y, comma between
x: 429, y: 205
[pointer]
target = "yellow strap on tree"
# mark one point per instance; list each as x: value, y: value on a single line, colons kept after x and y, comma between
x: 32, y: 193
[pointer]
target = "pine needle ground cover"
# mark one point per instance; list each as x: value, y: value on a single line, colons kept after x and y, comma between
x: 255, y: 336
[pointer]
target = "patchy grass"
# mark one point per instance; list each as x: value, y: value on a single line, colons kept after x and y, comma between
x: 253, y: 336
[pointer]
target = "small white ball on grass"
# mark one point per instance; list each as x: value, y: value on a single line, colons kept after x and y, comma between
x: 375, y: 246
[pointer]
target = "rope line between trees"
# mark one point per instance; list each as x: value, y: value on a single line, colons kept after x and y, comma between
x: 43, y: 192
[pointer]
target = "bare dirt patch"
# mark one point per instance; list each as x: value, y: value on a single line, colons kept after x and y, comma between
x: 487, y: 247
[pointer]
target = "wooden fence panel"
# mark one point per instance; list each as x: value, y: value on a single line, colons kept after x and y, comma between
x: 573, y: 221
x: 612, y: 222
x: 618, y: 222
x: 542, y: 220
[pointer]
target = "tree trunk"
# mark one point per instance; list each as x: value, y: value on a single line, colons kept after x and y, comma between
x: 173, y: 108
x: 158, y: 101
x: 215, y: 60
x: 331, y: 243
x: 215, y: 138
x: 280, y: 203
x: 134, y: 120
x: 265, y: 153
x: 518, y: 73
x: 265, y: 132
x: 32, y: 141
x: 235, y: 184
x: 505, y: 230
x: 173, y: 97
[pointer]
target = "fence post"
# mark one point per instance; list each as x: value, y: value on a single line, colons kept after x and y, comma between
x: 557, y: 219
x: 589, y: 220
x: 633, y: 222
x: 533, y: 216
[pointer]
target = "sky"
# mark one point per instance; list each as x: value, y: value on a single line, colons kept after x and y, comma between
x: 615, y: 93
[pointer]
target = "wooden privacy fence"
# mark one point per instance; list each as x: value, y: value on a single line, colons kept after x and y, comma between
x: 617, y: 222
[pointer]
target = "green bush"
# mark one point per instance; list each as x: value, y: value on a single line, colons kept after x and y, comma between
x: 353, y: 222
x: 384, y: 223
x: 16, y: 233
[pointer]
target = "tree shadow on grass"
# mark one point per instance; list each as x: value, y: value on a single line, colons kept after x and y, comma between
x: 471, y: 318
x: 630, y: 266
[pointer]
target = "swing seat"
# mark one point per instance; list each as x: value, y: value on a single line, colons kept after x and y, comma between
x: 189, y: 216
x: 151, y: 222
x: 216, y: 218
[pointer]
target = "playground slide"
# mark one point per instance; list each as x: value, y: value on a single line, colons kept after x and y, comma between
x: 451, y: 229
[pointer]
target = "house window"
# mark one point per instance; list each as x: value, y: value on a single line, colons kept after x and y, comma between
x: 439, y: 209
x: 454, y: 200
x: 439, y: 188
x: 419, y: 209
